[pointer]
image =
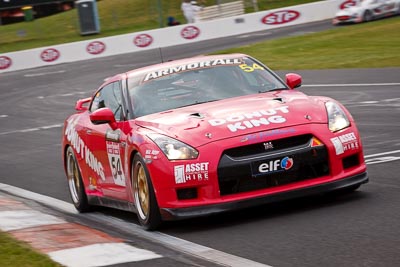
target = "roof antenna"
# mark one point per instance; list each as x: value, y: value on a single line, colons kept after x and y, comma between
x: 161, y: 55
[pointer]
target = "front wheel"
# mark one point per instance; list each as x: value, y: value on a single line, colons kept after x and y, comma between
x: 75, y: 183
x: 145, y: 201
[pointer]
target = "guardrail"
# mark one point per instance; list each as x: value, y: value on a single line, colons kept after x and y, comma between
x: 231, y: 9
x: 171, y: 36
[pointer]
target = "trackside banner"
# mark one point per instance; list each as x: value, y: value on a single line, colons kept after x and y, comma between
x: 171, y: 36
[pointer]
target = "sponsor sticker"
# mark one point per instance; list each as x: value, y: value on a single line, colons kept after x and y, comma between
x: 280, y: 17
x: 238, y: 122
x: 345, y: 142
x: 114, y: 158
x: 190, y: 32
x: 96, y: 47
x: 5, y: 62
x: 191, y: 66
x: 152, y: 154
x: 143, y: 40
x: 50, y: 55
x: 81, y: 148
x: 191, y: 172
x: 271, y: 166
x: 256, y: 137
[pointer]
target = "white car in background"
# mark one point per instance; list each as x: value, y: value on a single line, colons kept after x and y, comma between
x: 356, y: 11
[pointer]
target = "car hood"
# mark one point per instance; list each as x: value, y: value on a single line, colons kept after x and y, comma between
x: 203, y: 123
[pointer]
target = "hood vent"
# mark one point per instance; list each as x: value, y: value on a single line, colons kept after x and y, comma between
x: 197, y: 115
x: 279, y: 99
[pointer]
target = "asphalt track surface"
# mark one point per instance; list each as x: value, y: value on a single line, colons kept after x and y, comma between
x: 359, y: 229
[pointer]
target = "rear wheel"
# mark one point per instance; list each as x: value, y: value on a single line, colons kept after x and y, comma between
x: 75, y: 183
x: 367, y: 16
x: 143, y: 191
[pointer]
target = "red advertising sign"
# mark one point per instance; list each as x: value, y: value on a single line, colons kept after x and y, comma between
x: 50, y: 55
x: 190, y: 32
x: 143, y: 40
x: 95, y: 47
x: 5, y: 62
x: 280, y: 17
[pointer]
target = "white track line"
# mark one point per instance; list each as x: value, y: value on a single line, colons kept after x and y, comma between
x: 101, y: 255
x: 382, y: 154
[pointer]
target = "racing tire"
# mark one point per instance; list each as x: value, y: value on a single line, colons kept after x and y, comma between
x: 147, y: 208
x: 75, y: 183
x: 367, y: 16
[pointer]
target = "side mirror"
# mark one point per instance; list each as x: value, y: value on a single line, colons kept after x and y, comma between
x: 102, y: 116
x: 81, y: 104
x: 293, y: 80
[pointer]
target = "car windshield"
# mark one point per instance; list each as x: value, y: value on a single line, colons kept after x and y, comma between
x: 198, y: 82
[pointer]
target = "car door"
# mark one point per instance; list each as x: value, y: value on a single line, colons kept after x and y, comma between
x: 107, y: 145
x: 377, y: 7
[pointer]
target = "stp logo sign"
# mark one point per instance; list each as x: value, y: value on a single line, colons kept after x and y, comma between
x: 5, y: 62
x: 348, y: 3
x: 95, y: 48
x: 280, y: 17
x: 143, y: 40
x: 50, y: 55
x: 190, y: 32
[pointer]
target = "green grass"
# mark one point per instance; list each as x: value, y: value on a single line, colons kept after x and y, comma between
x: 116, y: 17
x: 367, y: 45
x: 15, y: 253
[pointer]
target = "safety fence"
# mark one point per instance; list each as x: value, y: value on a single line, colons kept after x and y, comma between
x: 169, y: 36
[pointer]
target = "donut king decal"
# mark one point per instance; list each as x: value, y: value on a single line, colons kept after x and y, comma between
x: 191, y: 66
x: 114, y: 156
x: 345, y: 142
x: 81, y: 148
x: 191, y: 172
x: 238, y: 122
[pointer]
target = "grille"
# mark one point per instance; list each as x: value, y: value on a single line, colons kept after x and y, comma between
x: 259, y: 148
x: 248, y: 168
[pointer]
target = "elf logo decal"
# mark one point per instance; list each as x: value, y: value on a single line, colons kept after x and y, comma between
x: 276, y: 165
x: 191, y: 172
x: 280, y: 17
x: 143, y: 40
x: 252, y: 119
x: 190, y: 32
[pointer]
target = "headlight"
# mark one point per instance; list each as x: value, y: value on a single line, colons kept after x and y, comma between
x: 172, y: 148
x: 337, y: 117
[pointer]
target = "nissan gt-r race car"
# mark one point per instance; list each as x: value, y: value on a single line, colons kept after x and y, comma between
x: 203, y: 135
x: 366, y: 10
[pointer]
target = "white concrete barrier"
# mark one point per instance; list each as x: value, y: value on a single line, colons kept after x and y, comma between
x: 176, y: 35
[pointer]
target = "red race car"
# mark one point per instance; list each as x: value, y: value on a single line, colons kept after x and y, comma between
x: 203, y: 135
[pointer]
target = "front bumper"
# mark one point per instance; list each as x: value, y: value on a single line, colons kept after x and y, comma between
x: 184, y: 213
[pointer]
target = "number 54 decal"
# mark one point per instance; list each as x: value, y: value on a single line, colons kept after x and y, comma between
x: 248, y: 68
x: 114, y: 159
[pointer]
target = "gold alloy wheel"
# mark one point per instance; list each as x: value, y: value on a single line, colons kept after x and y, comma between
x: 73, y: 177
x: 142, y: 192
